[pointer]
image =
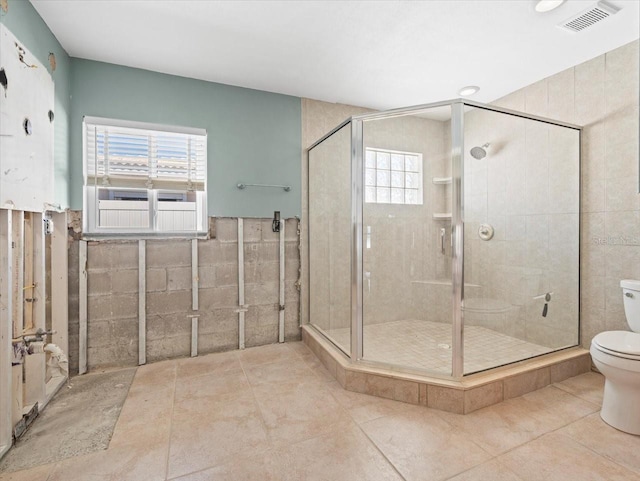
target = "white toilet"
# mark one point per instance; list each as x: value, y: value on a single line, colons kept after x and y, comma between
x: 616, y: 354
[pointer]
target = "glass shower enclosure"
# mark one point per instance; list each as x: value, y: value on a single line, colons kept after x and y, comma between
x: 444, y: 238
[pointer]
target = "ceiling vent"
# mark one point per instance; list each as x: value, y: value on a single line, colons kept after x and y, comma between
x: 588, y: 18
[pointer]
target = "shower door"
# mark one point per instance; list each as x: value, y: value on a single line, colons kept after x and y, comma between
x: 330, y: 236
x: 406, y: 240
x: 521, y: 238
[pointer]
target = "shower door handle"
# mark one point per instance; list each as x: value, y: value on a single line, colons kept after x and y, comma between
x: 443, y: 233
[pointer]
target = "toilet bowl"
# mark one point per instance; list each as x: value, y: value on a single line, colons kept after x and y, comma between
x: 616, y: 354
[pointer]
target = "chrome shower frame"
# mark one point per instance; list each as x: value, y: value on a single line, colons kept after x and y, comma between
x: 457, y: 224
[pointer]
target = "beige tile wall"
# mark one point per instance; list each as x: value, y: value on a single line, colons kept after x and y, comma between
x: 527, y: 189
x: 404, y: 250
x: 330, y: 231
x: 602, y: 96
x: 404, y: 245
x: 318, y: 118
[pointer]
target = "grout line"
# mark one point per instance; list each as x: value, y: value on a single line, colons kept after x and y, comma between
x: 493, y: 459
x: 554, y: 385
x: 236, y: 353
x: 393, y: 466
x: 192, y: 472
x: 333, y: 428
x: 52, y: 470
x: 280, y: 345
x: 603, y: 455
x: 173, y: 405
x: 257, y: 404
x: 133, y: 378
x: 555, y: 430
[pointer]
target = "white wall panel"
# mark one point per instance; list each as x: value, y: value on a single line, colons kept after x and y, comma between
x: 26, y: 161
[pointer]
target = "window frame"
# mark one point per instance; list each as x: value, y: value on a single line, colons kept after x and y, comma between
x: 90, y: 207
x: 419, y: 172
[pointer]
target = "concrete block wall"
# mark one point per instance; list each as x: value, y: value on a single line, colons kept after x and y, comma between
x: 112, y: 269
x: 112, y: 304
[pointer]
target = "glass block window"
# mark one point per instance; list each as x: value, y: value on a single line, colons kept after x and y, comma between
x: 392, y: 177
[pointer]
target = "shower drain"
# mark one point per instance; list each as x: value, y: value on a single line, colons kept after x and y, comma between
x: 444, y: 346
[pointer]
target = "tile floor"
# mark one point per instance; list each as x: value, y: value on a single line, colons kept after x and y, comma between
x: 274, y: 413
x: 427, y: 345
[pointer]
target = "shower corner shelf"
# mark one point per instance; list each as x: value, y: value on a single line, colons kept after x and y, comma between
x: 442, y: 215
x: 441, y: 180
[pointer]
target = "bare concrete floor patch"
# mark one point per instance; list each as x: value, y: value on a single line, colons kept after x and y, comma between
x: 79, y: 420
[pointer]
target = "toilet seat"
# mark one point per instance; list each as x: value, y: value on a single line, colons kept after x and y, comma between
x: 623, y: 344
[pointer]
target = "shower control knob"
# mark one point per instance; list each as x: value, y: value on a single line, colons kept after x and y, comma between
x: 485, y: 232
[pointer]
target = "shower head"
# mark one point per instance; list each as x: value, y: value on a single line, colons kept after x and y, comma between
x: 480, y: 152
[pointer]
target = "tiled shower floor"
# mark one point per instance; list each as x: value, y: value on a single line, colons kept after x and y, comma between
x: 427, y: 345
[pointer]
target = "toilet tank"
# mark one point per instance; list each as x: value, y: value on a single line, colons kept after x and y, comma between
x: 631, y: 297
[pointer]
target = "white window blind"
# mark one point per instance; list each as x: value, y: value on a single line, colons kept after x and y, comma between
x: 140, y: 155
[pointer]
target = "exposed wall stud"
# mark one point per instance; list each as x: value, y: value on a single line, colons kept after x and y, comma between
x: 142, y: 303
x: 17, y: 396
x: 282, y: 272
x: 39, y: 291
x: 29, y: 283
x: 17, y: 284
x: 82, y: 301
x: 195, y: 276
x: 241, y: 308
x: 194, y: 336
x: 6, y: 330
x: 35, y: 366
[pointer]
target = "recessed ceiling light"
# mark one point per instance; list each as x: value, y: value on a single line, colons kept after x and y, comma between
x: 468, y: 90
x: 544, y: 6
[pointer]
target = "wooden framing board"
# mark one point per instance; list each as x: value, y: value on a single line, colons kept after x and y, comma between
x: 28, y: 286
x: 39, y: 292
x: 34, y: 298
x: 35, y: 367
x: 82, y: 316
x: 60, y: 282
x: 17, y: 280
x: 6, y: 329
x: 17, y: 400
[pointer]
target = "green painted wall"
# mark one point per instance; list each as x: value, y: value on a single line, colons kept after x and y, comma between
x: 25, y: 23
x: 253, y: 136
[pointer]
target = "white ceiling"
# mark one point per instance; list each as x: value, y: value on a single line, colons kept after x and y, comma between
x: 378, y: 54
